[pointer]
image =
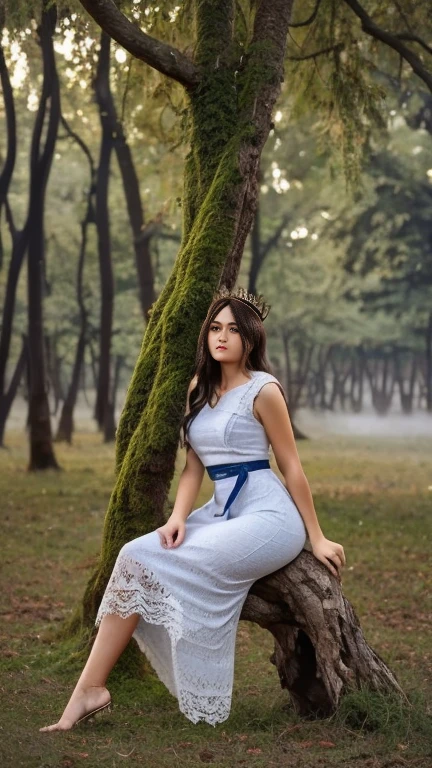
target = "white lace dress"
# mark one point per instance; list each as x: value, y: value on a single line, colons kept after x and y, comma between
x: 190, y: 598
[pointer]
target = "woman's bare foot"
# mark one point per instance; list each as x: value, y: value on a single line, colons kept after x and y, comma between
x: 82, y: 701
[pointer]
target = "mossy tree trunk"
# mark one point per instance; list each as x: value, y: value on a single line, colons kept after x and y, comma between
x: 231, y: 93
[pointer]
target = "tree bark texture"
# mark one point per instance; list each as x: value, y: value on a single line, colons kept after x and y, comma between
x: 320, y: 651
x: 41, y: 444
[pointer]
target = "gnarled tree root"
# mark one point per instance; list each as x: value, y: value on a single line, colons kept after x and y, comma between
x: 320, y: 650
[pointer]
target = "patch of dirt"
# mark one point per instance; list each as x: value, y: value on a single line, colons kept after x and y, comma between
x: 25, y: 608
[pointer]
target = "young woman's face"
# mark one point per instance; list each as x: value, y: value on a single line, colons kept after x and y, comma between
x: 224, y: 340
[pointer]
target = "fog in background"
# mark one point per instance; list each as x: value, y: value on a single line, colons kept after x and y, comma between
x: 313, y: 423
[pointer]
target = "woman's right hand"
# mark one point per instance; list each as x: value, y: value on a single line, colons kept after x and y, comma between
x: 172, y: 533
x: 331, y: 554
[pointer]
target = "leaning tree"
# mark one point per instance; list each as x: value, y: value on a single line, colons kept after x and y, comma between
x: 231, y: 74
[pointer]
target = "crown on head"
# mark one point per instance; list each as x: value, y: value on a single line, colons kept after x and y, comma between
x: 256, y: 303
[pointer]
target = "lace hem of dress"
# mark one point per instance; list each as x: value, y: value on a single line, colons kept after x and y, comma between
x: 194, y: 706
x: 133, y: 588
x: 211, y: 709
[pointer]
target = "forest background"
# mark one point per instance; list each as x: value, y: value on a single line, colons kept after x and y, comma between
x: 91, y: 198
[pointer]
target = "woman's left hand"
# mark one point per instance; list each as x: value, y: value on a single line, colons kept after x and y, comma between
x: 331, y: 554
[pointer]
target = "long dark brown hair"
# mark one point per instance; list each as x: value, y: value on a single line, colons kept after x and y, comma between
x: 208, y: 370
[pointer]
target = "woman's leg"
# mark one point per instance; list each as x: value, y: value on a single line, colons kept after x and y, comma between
x: 90, y: 691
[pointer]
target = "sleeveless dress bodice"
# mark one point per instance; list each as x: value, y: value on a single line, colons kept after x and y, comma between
x: 229, y: 431
x: 189, y: 598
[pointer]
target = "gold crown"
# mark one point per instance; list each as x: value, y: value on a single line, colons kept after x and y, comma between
x: 256, y: 303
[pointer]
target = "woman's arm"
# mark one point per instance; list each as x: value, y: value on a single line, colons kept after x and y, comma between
x: 173, y: 532
x: 188, y: 487
x: 270, y: 409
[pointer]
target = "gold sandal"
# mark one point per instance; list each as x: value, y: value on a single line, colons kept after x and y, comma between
x: 93, y: 712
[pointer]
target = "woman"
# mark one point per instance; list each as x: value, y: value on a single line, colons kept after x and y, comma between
x: 179, y: 590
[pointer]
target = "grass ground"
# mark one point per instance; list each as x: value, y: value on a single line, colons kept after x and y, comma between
x: 373, y: 496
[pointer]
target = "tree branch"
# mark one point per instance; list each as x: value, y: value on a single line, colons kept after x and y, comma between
x: 10, y: 219
x: 393, y: 41
x: 78, y: 140
x: 274, y: 238
x: 157, y: 54
x: 174, y: 236
x: 322, y: 52
x: 9, y: 109
x: 414, y: 39
x: 311, y: 18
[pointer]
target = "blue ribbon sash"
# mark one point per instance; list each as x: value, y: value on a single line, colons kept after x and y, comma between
x: 242, y: 469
